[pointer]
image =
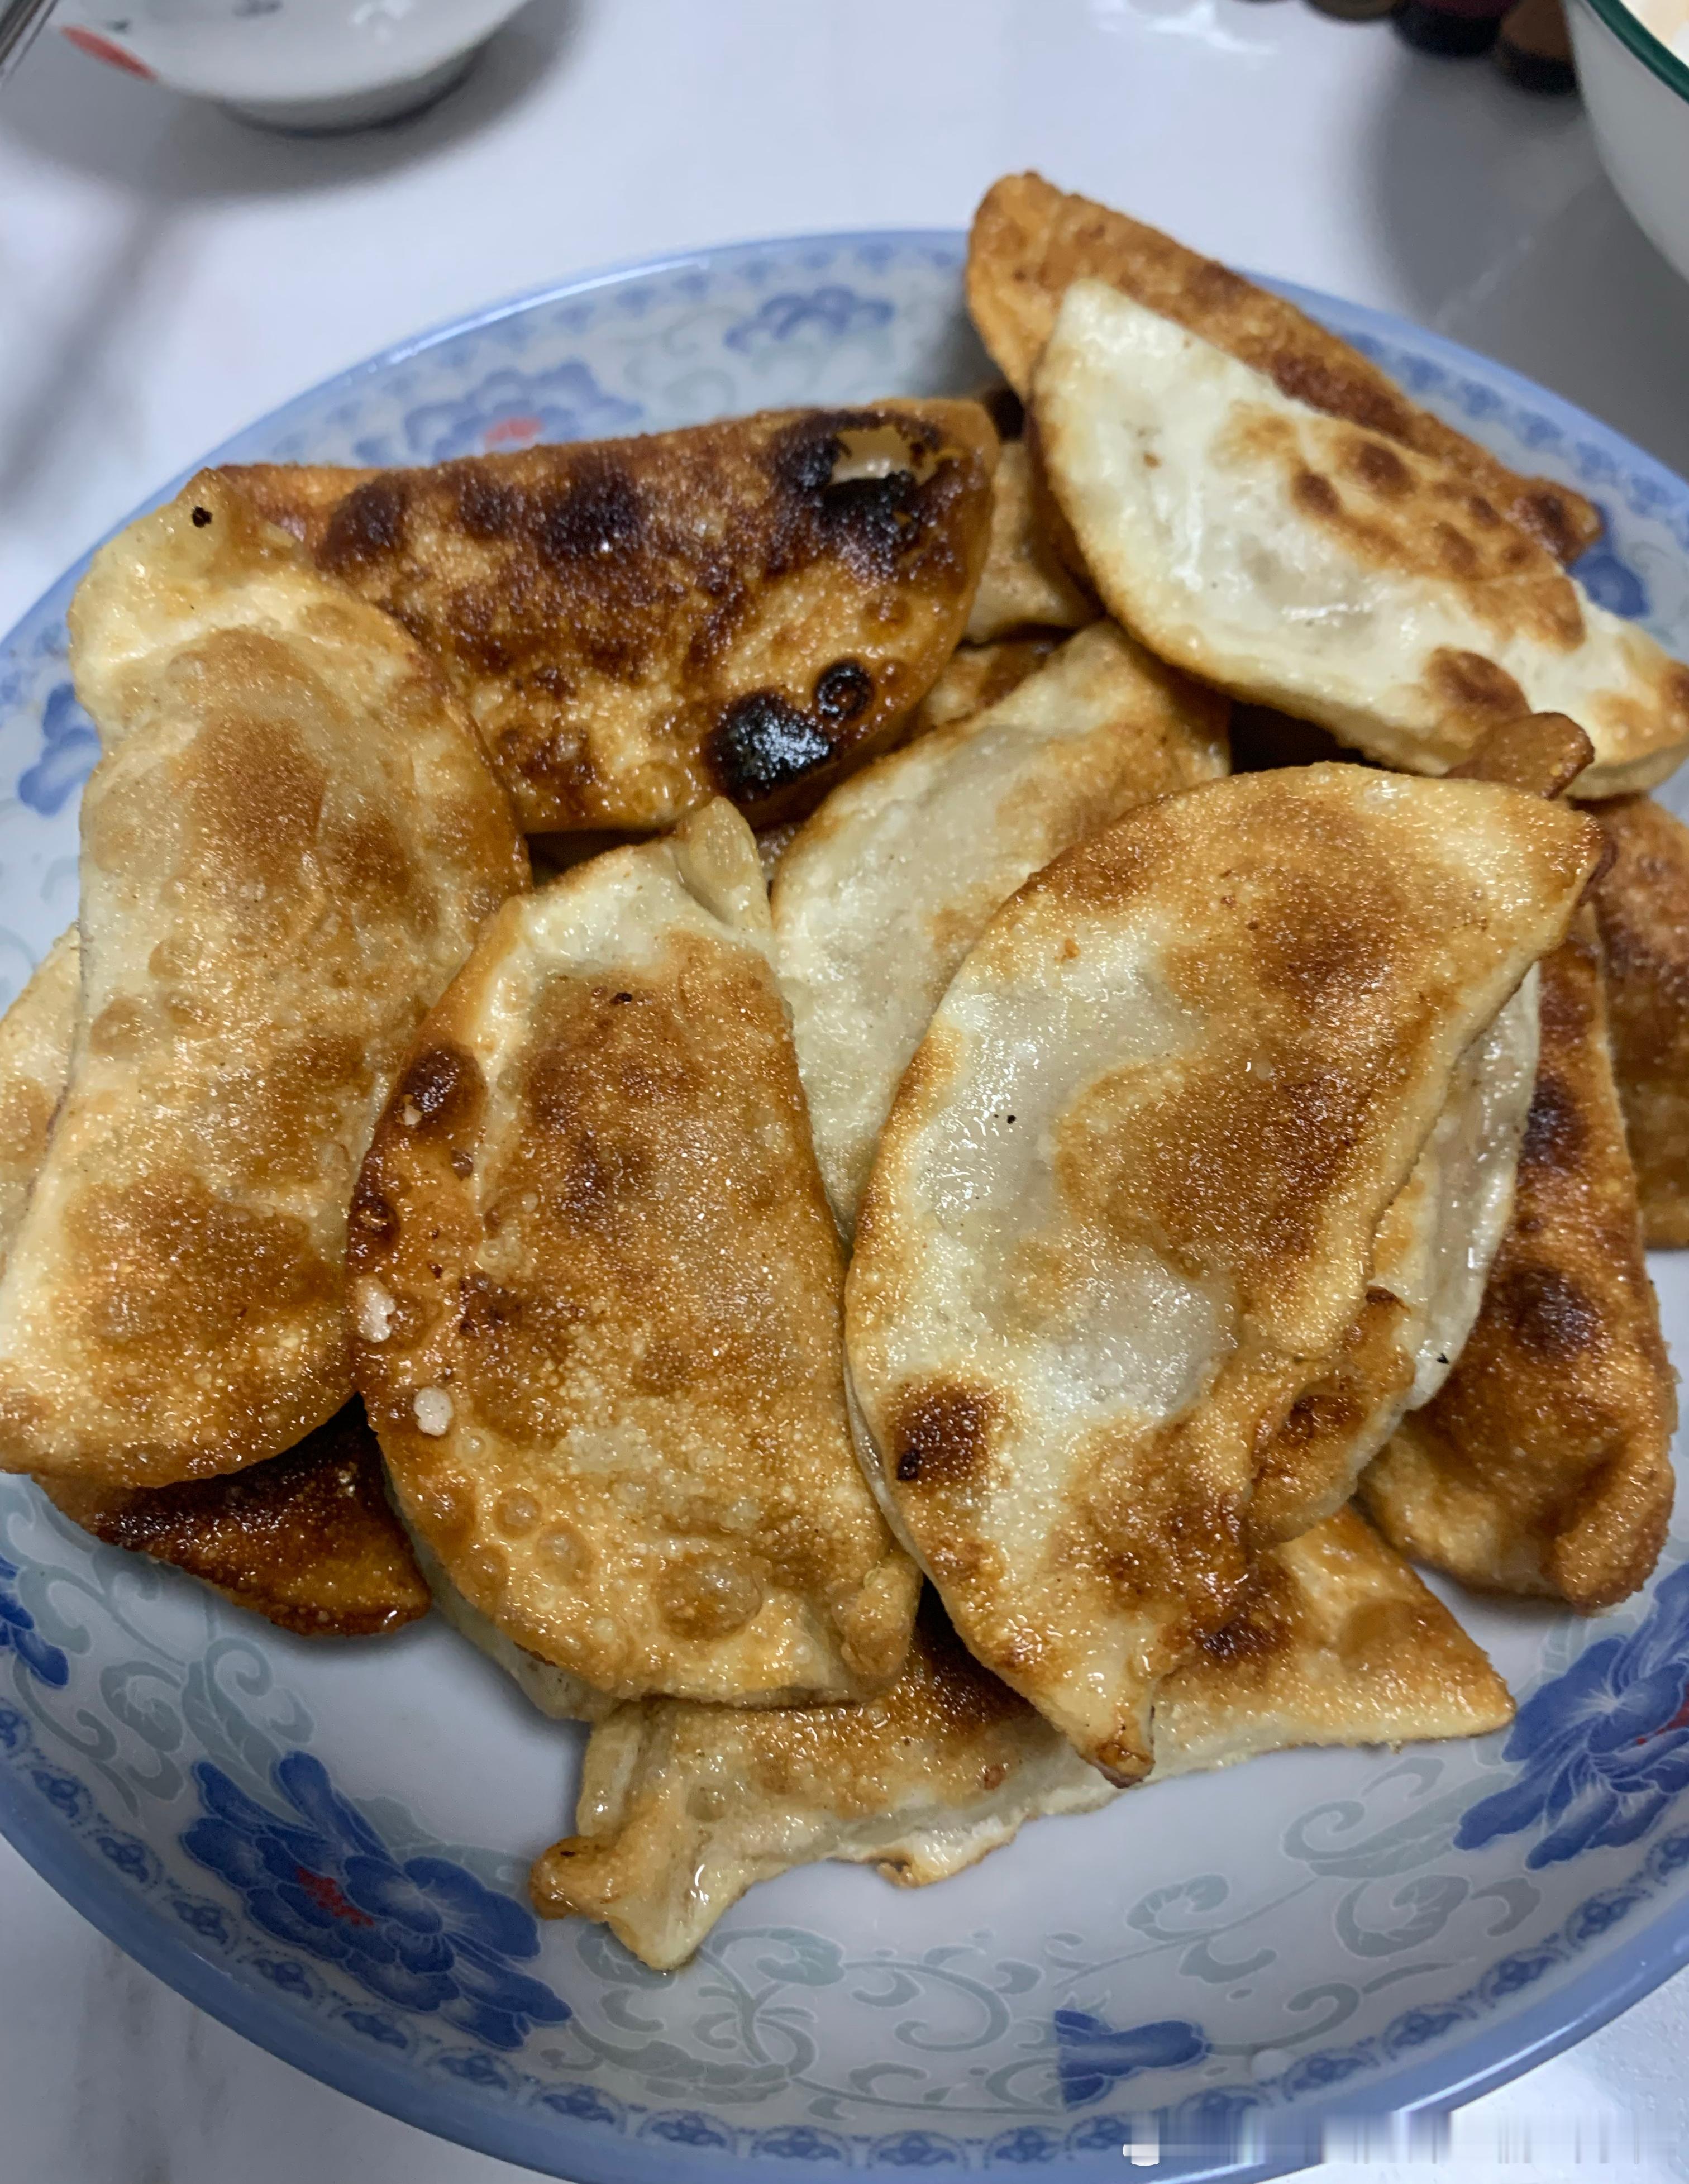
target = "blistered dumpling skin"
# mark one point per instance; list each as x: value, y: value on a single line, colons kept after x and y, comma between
x: 597, y: 1296
x: 286, y: 852
x: 1333, y: 1640
x: 747, y: 608
x: 1126, y: 1205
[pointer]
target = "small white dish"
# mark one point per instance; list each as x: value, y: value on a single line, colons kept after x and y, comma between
x: 1637, y: 90
x: 300, y: 64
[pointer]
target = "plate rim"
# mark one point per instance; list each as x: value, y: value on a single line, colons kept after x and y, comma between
x: 1490, y: 2057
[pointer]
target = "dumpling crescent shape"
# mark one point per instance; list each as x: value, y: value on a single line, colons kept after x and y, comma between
x: 889, y: 884
x: 1544, y: 1464
x: 1299, y: 561
x: 1126, y: 1203
x: 286, y: 852
x: 682, y: 1807
x: 598, y: 1296
x: 746, y: 608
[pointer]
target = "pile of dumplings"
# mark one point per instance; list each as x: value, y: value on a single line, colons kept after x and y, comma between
x: 902, y: 1097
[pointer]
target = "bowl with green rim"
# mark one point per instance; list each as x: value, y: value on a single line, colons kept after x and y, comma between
x: 1636, y: 89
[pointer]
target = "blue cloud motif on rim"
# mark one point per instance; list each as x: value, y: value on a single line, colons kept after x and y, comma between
x: 18, y: 1632
x: 425, y: 1935
x: 833, y: 311
x: 1605, y: 1747
x: 511, y: 409
x: 70, y: 748
x: 1611, y: 582
x: 1093, y: 2057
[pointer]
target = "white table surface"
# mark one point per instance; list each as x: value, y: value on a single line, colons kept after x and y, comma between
x: 167, y: 274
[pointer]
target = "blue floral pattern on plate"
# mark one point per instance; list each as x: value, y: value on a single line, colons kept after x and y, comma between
x: 424, y: 1935
x: 1604, y: 1748
x: 19, y: 1634
x: 1231, y: 1956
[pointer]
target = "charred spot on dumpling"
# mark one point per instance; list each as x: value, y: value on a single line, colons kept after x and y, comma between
x: 596, y: 517
x: 1554, y: 1130
x: 373, y: 1226
x: 1340, y: 394
x: 1379, y: 469
x: 943, y: 1436
x: 1315, y: 495
x: 857, y: 475
x: 761, y: 744
x: 1468, y: 683
x: 440, y: 1092
x: 843, y: 691
x: 1550, y: 1315
x: 487, y: 505
x: 367, y: 526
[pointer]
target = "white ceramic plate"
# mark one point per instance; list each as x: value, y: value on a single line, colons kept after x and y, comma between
x: 324, y: 1843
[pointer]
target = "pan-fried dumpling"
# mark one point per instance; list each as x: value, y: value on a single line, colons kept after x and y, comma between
x: 747, y: 608
x: 1031, y: 242
x: 36, y: 1033
x: 892, y: 880
x: 306, y: 1539
x: 1125, y: 1206
x: 1023, y: 585
x: 977, y: 675
x: 1642, y: 902
x: 1544, y: 1465
x: 596, y: 1295
x: 1303, y: 562
x: 682, y: 1807
x: 284, y: 859
x: 1431, y: 1259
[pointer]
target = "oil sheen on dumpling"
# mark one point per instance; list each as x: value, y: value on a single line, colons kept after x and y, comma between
x: 746, y: 608
x: 285, y: 854
x: 1126, y: 1204
x: 1301, y: 561
x: 598, y: 1296
x: 682, y: 1807
x: 890, y: 882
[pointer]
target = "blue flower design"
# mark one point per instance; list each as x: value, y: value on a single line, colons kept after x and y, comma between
x: 1092, y: 2056
x: 833, y: 311
x: 1610, y: 582
x: 512, y: 409
x: 802, y: 2141
x: 1025, y: 2147
x: 917, y: 2149
x: 46, y: 1664
x: 70, y: 747
x: 1605, y: 1748
x: 422, y: 1935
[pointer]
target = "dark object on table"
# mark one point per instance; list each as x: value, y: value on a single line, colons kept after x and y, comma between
x: 1534, y: 48
x: 1355, y: 11
x: 1457, y: 28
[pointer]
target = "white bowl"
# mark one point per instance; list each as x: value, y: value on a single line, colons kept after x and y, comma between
x: 292, y: 64
x: 1637, y: 93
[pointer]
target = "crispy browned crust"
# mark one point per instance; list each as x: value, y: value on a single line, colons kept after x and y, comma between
x: 1543, y: 754
x: 590, y: 1235
x: 306, y: 1539
x: 1544, y: 1465
x: 976, y: 677
x: 746, y: 609
x: 1334, y: 1640
x: 1031, y: 240
x: 1642, y: 902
